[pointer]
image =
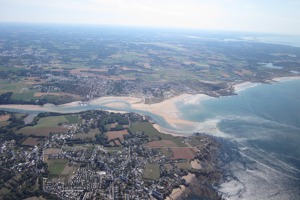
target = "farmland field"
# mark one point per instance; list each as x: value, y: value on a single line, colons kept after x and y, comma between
x: 161, y: 143
x: 26, y: 96
x: 4, y: 120
x: 73, y: 119
x: 4, y: 123
x: 45, y: 126
x: 43, y: 132
x: 154, y: 134
x: 31, y: 141
x: 182, y: 153
x: 4, y: 117
x: 116, y: 134
x: 167, y: 152
x: 52, y: 151
x: 51, y: 121
x: 56, y: 167
x: 90, y: 135
x: 184, y: 165
x: 68, y: 171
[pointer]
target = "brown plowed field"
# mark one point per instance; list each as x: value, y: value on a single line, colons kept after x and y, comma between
x: 30, y: 141
x: 160, y: 144
x: 183, y: 153
x: 116, y: 134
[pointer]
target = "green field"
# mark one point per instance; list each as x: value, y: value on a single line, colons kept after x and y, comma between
x: 73, y: 119
x: 51, y: 121
x: 154, y: 134
x: 13, y: 69
x: 90, y: 135
x: 184, y: 165
x: 151, y: 171
x: 8, y: 86
x: 3, y: 191
x: 166, y: 152
x: 45, y: 126
x: 56, y: 167
x: 26, y: 96
x: 5, y: 123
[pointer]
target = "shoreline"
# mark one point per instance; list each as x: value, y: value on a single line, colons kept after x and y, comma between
x: 284, y: 79
x: 244, y: 86
x: 166, y: 109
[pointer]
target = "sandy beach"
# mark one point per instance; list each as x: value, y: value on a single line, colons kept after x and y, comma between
x: 166, y: 109
x: 283, y: 79
x: 243, y: 86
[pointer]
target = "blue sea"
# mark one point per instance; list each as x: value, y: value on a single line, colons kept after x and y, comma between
x: 261, y: 128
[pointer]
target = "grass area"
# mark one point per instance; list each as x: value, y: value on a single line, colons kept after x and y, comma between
x: 151, y: 171
x: 51, y: 121
x: 26, y: 96
x: 68, y: 172
x: 30, y: 141
x: 41, y: 132
x: 35, y: 198
x: 113, y: 149
x: 13, y: 69
x: 184, y: 165
x: 3, y: 191
x: 4, y: 123
x: 154, y: 134
x: 61, y: 99
x: 45, y: 126
x: 20, y: 116
x: 84, y: 146
x: 90, y: 135
x: 56, y: 167
x: 8, y: 86
x: 166, y: 152
x: 73, y: 119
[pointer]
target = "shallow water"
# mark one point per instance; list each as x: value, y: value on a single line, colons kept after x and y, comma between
x: 264, y: 124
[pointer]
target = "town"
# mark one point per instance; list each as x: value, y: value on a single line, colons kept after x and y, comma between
x: 98, y: 155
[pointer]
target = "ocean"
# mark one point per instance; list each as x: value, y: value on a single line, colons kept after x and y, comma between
x: 261, y: 127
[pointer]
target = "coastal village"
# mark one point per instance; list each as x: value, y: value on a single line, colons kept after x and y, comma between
x: 100, y: 155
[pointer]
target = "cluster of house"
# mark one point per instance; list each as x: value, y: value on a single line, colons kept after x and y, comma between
x: 99, y: 173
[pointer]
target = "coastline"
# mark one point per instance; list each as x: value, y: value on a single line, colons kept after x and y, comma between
x: 284, y: 79
x: 166, y: 109
x: 244, y: 86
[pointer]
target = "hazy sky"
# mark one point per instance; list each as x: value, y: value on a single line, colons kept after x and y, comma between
x: 274, y: 16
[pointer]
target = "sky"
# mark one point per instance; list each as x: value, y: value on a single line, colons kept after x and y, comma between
x: 269, y: 16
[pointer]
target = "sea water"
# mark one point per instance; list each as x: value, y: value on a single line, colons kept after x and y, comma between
x: 262, y: 126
